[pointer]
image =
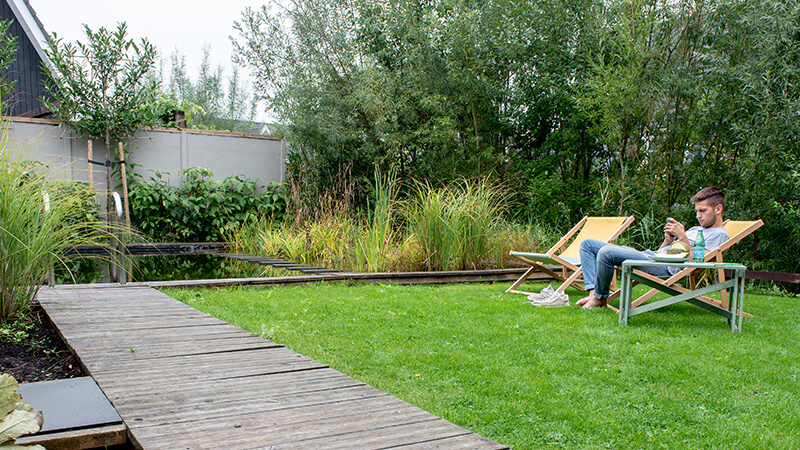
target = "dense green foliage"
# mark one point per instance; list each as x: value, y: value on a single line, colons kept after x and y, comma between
x: 8, y: 51
x: 578, y: 106
x: 202, y: 209
x: 534, y: 378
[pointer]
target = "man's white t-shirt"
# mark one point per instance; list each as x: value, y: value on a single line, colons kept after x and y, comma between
x: 714, y: 236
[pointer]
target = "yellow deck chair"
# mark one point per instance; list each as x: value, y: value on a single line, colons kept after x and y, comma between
x: 605, y: 229
x: 737, y: 230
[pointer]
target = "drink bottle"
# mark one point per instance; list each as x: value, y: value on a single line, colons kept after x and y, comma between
x: 699, y: 247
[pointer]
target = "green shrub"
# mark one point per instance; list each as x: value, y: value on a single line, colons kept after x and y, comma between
x: 202, y: 209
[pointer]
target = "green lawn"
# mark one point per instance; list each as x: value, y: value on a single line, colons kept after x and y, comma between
x: 533, y: 377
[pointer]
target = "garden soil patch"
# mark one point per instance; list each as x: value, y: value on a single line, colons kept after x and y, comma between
x: 40, y: 356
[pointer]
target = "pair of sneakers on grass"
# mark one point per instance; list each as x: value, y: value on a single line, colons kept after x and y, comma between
x: 549, y: 297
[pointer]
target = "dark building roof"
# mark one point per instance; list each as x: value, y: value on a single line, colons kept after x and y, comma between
x: 26, y: 69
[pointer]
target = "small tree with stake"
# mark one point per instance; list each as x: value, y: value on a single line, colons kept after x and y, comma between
x: 101, y: 89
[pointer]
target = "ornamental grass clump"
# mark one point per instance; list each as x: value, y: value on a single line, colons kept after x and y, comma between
x: 38, y: 222
x: 456, y: 225
x: 378, y: 233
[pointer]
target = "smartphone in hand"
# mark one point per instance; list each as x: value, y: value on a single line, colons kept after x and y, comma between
x: 669, y: 221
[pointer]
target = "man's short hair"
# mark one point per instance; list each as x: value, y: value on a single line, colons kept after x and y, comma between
x: 712, y: 194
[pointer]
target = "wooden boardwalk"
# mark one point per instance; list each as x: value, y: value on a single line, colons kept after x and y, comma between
x: 181, y: 379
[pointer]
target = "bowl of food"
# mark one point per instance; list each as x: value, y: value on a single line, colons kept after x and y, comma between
x: 677, y: 252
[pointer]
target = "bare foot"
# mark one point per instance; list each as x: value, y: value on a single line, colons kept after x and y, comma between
x: 584, y: 300
x: 595, y: 302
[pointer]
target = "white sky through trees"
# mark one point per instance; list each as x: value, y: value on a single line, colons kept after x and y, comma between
x: 185, y: 25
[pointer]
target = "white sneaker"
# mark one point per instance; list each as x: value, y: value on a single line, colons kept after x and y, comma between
x: 555, y: 300
x: 546, y: 293
x: 549, y: 297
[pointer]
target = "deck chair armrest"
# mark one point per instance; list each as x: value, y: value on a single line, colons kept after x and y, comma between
x: 564, y: 262
x: 628, y: 221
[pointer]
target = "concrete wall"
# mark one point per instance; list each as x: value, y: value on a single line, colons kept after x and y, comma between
x: 165, y: 150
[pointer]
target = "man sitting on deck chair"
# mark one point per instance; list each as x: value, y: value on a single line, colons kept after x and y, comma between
x: 599, y: 259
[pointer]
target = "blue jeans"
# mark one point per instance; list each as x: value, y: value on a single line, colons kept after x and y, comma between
x: 599, y: 258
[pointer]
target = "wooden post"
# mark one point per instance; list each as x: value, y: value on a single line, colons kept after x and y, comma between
x: 91, y: 172
x: 179, y: 117
x: 124, y: 186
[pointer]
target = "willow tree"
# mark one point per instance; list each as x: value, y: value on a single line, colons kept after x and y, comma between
x: 208, y: 104
x: 405, y: 84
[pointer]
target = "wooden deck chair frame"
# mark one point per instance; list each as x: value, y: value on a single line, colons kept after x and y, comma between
x: 737, y: 230
x: 560, y: 251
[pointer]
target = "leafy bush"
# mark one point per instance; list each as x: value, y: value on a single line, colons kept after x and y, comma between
x: 202, y: 209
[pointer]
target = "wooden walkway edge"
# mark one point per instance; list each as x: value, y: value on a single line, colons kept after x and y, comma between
x: 453, y: 276
x: 182, y: 379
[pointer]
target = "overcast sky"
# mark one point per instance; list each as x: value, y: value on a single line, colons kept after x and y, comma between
x: 167, y: 24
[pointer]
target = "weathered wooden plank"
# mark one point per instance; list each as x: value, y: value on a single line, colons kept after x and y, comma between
x: 179, y: 348
x: 280, y: 408
x: 88, y: 438
x: 100, y: 320
x: 185, y: 335
x: 274, y: 428
x: 284, y: 383
x: 261, y: 356
x: 154, y: 309
x: 463, y: 442
x: 386, y: 437
x: 209, y: 401
x: 107, y: 380
x: 176, y: 333
x: 212, y: 372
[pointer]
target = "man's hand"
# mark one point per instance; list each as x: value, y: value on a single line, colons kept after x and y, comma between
x: 675, y: 229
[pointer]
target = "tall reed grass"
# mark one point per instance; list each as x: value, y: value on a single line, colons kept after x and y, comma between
x: 647, y: 232
x: 378, y: 233
x: 455, y: 227
x: 37, y: 223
